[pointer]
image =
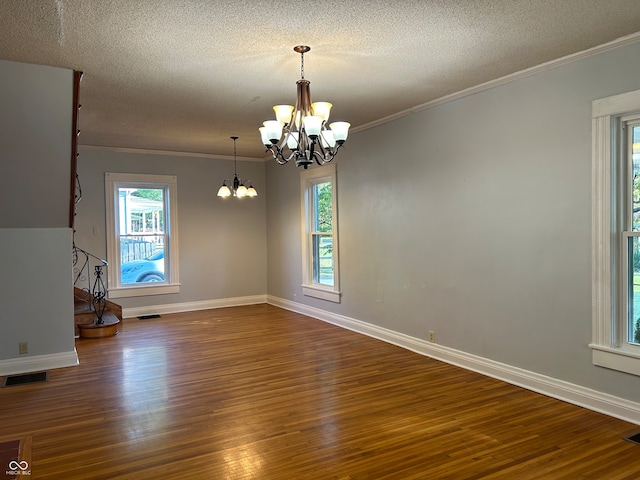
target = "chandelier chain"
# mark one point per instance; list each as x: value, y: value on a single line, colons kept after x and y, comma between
x: 235, y: 158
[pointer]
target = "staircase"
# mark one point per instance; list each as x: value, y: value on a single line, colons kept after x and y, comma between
x: 86, y: 319
x: 95, y: 316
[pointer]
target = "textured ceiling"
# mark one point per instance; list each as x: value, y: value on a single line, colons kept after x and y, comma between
x: 184, y: 75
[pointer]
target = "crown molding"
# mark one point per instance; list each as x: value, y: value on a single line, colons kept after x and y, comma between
x: 618, y: 43
x: 168, y: 153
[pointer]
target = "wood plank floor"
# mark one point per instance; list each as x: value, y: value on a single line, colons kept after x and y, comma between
x: 258, y: 392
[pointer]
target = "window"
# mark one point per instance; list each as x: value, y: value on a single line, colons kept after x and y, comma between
x: 142, y: 243
x: 631, y: 234
x: 616, y: 232
x: 320, y: 273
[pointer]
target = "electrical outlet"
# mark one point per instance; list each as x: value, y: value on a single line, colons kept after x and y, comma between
x: 23, y: 347
x: 432, y: 336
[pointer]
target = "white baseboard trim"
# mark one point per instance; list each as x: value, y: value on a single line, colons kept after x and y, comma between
x: 38, y: 363
x: 575, y: 394
x: 192, y: 306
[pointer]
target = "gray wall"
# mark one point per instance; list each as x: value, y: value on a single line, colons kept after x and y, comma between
x: 35, y: 240
x: 36, y: 295
x: 35, y: 124
x: 222, y: 242
x: 472, y: 219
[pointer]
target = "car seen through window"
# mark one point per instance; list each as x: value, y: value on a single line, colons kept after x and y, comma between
x: 150, y: 269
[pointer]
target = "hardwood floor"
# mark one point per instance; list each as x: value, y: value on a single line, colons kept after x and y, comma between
x: 258, y: 392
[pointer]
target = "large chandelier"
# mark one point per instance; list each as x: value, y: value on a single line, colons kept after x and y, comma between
x: 238, y: 187
x: 301, y: 132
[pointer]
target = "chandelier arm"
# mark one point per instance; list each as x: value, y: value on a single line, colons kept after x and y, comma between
x: 277, y: 156
x: 285, y: 139
x: 283, y: 142
x: 334, y: 151
x: 281, y: 158
x: 330, y: 154
x: 321, y: 139
x: 298, y: 113
x: 304, y: 144
x: 303, y: 98
x: 319, y: 159
x: 324, y: 158
x: 290, y: 157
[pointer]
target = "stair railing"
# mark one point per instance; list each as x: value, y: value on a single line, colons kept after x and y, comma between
x: 83, y: 264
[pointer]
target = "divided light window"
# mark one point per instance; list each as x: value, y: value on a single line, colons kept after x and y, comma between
x: 631, y: 234
x: 141, y: 234
x: 616, y: 232
x: 319, y: 234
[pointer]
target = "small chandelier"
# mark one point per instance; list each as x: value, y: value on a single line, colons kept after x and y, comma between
x: 238, y: 186
x: 302, y: 130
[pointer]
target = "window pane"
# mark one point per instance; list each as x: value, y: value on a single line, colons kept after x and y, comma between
x: 141, y: 210
x: 141, y: 230
x: 633, y: 291
x: 633, y: 268
x: 323, y: 259
x: 142, y: 259
x: 635, y: 155
x: 322, y: 202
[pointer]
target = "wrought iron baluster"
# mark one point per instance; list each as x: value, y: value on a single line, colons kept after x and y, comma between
x: 99, y: 293
x: 96, y: 294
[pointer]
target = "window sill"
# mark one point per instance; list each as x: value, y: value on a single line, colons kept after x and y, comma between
x: 622, y: 359
x: 141, y: 291
x: 321, y: 293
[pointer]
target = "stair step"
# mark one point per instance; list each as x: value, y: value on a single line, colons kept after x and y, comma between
x: 81, y: 307
x: 108, y: 328
x: 85, y: 316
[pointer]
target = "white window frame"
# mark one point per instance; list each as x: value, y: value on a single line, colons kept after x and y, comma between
x: 309, y: 178
x: 609, y: 345
x: 169, y: 183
